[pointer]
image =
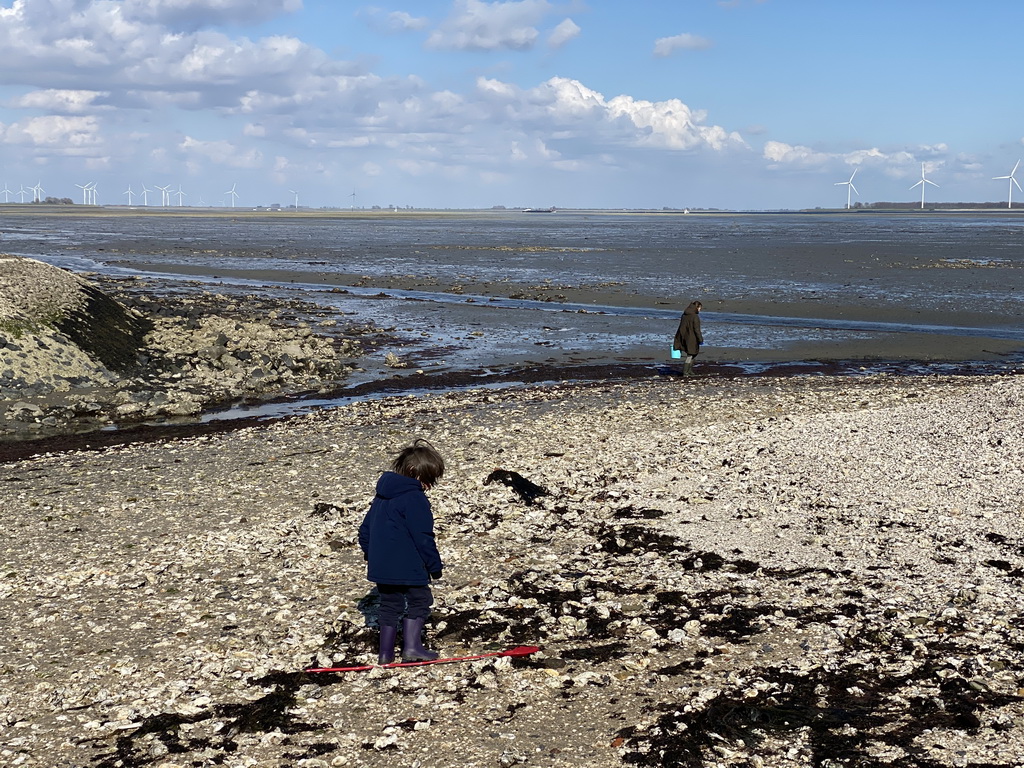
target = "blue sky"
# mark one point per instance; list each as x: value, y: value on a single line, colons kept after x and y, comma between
x: 740, y: 104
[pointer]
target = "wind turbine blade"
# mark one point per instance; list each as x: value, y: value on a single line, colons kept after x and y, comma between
x: 1002, y: 177
x: 853, y: 174
x: 1015, y: 168
x: 918, y: 184
x: 854, y: 189
x: 1015, y: 182
x: 930, y: 182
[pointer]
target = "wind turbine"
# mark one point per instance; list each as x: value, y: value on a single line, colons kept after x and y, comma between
x: 922, y: 183
x: 180, y: 195
x: 22, y: 193
x: 145, y: 195
x: 234, y: 195
x: 165, y: 195
x: 296, y: 198
x: 6, y: 193
x: 849, y: 187
x: 353, y: 196
x: 38, y: 190
x: 85, y: 193
x: 129, y: 193
x: 1011, y: 182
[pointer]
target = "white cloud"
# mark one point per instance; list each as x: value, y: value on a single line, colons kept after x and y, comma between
x: 666, y: 46
x: 57, y: 134
x: 401, y: 21
x: 570, y: 109
x: 200, y: 153
x: 487, y: 26
x: 62, y: 101
x: 567, y: 30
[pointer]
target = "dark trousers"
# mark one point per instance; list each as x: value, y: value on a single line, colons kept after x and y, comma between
x: 396, y: 599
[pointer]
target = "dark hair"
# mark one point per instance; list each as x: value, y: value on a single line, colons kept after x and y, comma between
x: 420, y: 461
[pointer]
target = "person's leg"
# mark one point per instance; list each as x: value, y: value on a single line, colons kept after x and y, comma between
x: 419, y: 600
x: 688, y: 366
x: 392, y: 605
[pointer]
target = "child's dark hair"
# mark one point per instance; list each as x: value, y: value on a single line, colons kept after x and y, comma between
x: 420, y: 461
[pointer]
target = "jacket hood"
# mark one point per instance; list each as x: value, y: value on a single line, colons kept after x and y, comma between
x: 691, y: 310
x: 392, y: 484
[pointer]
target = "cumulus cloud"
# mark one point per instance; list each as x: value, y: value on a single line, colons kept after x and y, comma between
x: 666, y: 46
x: 400, y: 20
x: 898, y: 164
x: 58, y: 134
x: 567, y: 108
x: 60, y: 101
x: 567, y: 30
x: 487, y: 26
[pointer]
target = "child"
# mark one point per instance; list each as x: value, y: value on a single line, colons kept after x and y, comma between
x: 397, y: 539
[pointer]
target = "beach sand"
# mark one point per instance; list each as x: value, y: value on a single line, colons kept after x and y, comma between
x: 749, y: 572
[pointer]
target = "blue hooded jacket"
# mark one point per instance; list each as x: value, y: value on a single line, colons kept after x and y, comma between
x: 397, y: 534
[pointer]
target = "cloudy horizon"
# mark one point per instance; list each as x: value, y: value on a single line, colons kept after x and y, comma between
x: 472, y: 104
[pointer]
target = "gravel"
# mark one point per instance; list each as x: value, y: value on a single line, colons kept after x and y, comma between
x: 761, y: 572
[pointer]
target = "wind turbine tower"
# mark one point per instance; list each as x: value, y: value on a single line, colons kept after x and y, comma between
x: 165, y: 195
x: 1011, y: 182
x: 234, y: 195
x: 180, y: 195
x: 145, y: 195
x: 922, y: 183
x: 6, y: 193
x: 85, y: 193
x: 296, y: 198
x: 849, y: 187
x: 129, y: 193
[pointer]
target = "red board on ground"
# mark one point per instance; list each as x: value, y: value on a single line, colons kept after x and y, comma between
x: 519, y: 650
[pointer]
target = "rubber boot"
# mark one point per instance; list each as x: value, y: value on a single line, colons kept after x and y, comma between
x: 412, y: 641
x: 386, y: 654
x: 688, y: 367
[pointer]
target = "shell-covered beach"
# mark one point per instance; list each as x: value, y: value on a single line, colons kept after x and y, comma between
x: 759, y: 572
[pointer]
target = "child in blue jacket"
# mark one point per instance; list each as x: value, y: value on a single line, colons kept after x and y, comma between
x: 397, y: 539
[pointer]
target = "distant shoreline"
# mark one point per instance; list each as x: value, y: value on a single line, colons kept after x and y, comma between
x: 45, y: 209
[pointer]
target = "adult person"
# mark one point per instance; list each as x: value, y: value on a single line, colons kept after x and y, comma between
x: 688, y: 336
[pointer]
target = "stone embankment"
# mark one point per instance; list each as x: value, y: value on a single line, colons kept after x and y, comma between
x: 72, y: 357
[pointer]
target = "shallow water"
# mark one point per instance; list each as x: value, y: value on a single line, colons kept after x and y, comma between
x: 965, y: 269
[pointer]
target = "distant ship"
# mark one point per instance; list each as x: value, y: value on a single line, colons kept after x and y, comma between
x: 539, y: 210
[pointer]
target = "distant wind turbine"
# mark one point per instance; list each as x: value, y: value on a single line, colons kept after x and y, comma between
x: 234, y: 195
x: 129, y: 193
x: 6, y: 193
x: 22, y: 193
x: 922, y: 183
x: 165, y: 195
x: 353, y: 196
x: 145, y: 195
x: 849, y: 187
x: 180, y: 195
x: 93, y: 195
x: 296, y: 198
x: 38, y: 190
x: 85, y: 193
x: 1011, y: 182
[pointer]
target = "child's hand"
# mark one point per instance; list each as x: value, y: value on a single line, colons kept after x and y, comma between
x: 435, y: 576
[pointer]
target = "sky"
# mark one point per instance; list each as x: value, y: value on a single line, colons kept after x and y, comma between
x: 737, y: 104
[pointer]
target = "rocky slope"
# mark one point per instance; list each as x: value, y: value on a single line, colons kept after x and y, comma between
x: 72, y: 357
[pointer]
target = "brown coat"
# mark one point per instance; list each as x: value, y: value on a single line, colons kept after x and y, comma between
x: 688, y: 336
